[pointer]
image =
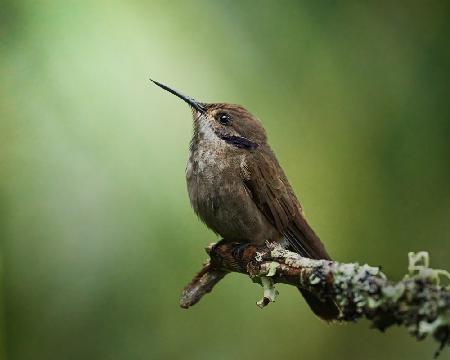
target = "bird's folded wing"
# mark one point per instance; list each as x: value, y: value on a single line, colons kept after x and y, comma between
x: 275, y: 198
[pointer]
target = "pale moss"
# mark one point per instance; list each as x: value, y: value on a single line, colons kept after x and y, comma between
x: 273, y: 266
x: 418, y: 302
x: 419, y: 267
x: 426, y: 328
x: 270, y: 293
x: 393, y: 292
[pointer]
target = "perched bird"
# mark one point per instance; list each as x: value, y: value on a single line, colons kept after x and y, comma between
x: 239, y: 190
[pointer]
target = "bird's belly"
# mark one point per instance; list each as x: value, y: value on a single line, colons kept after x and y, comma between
x: 220, y: 198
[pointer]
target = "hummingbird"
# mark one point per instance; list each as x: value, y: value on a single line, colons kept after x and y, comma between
x: 238, y: 189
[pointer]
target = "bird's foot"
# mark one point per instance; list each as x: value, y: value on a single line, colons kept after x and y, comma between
x: 270, y: 293
x: 238, y: 250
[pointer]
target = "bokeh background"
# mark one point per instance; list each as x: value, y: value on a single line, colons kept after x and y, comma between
x: 97, y: 235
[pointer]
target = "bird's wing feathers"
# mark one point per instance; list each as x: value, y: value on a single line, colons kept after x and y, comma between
x: 275, y: 198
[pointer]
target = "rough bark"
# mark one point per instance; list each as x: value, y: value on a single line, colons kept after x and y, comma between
x: 418, y: 302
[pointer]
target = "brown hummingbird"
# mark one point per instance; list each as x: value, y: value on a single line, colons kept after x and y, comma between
x: 239, y: 190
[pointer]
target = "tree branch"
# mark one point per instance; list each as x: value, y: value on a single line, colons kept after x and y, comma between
x: 418, y: 302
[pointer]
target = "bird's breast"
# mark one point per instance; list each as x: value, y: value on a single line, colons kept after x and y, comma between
x: 220, y: 198
x: 213, y: 177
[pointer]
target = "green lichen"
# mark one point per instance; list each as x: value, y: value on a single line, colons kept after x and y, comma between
x: 420, y: 301
x: 270, y: 293
x: 393, y: 292
x: 273, y: 266
x: 419, y: 266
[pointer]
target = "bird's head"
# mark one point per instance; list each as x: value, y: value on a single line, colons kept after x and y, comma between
x: 230, y: 123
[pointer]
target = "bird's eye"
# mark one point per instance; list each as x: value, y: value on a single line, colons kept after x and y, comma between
x: 223, y: 118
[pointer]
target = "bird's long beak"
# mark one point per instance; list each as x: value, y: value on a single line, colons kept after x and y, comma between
x: 194, y: 103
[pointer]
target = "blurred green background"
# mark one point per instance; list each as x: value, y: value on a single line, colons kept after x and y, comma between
x: 97, y: 234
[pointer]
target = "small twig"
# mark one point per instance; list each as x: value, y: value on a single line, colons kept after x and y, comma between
x: 200, y: 285
x: 418, y: 302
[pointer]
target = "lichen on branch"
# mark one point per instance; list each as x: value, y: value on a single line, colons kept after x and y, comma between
x: 419, y: 302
